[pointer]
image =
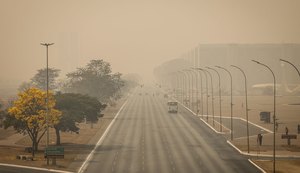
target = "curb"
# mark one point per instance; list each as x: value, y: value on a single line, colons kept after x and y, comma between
x: 35, y: 168
x: 262, y: 170
x: 201, y: 119
x: 262, y: 155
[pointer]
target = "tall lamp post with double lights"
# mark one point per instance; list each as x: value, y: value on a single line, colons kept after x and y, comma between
x: 274, y: 116
x: 47, y: 93
x: 246, y: 96
x: 231, y: 105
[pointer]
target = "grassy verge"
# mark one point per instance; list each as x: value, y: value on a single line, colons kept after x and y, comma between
x: 77, y: 146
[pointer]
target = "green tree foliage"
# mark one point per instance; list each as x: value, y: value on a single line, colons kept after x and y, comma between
x: 28, y: 114
x: 39, y: 80
x: 96, y: 80
x: 75, y: 107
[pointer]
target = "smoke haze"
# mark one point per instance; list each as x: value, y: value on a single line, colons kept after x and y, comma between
x: 133, y: 35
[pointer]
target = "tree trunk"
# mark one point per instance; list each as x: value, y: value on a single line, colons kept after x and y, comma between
x: 33, y: 151
x: 57, y: 136
x: 36, y: 146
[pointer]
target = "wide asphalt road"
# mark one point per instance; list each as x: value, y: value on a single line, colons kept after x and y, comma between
x: 146, y: 138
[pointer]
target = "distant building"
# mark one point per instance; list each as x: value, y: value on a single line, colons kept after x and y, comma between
x: 259, y: 79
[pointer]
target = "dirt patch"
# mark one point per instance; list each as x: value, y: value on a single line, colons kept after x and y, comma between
x: 6, y: 133
x: 76, y: 146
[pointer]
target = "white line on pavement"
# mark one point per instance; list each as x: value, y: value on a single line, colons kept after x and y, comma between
x: 89, y: 157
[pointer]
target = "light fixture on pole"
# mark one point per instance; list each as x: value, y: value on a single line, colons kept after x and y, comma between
x: 47, y: 94
x: 212, y: 96
x: 201, y: 91
x: 248, y: 148
x: 231, y: 105
x: 184, y: 87
x: 204, y: 71
x: 220, y: 99
x: 274, y: 116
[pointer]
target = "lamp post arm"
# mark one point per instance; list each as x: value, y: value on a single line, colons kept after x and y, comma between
x: 291, y: 65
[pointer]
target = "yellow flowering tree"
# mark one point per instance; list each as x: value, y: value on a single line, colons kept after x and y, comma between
x: 28, y: 114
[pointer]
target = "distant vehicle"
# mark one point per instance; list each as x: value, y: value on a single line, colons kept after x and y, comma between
x: 173, y: 106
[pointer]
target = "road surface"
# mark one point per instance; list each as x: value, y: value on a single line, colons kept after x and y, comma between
x: 146, y: 138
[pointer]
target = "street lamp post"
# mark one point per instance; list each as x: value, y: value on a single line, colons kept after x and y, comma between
x: 201, y: 91
x: 47, y: 89
x: 231, y: 105
x: 220, y: 99
x: 177, y: 85
x: 246, y: 104
x: 187, y: 86
x: 174, y: 82
x: 206, y: 92
x: 191, y: 72
x: 190, y: 79
x: 212, y: 96
x: 183, y: 86
x: 274, y: 116
x: 196, y: 81
x: 291, y: 65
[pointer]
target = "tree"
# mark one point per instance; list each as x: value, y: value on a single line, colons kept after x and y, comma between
x: 131, y: 81
x: 96, y: 80
x: 2, y: 115
x: 39, y: 80
x: 25, y: 85
x: 75, y: 107
x: 28, y: 114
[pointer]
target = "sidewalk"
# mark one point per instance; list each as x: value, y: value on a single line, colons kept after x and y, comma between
x: 266, y: 150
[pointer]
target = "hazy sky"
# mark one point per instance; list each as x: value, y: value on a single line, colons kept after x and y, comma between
x: 133, y: 35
